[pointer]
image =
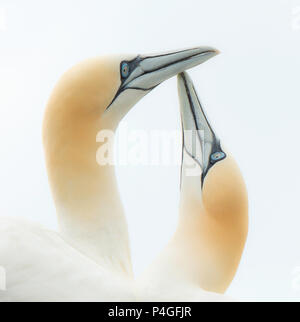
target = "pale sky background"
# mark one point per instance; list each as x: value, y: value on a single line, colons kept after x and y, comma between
x: 251, y: 94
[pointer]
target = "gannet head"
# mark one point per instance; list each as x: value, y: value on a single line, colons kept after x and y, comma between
x: 214, y: 203
x: 223, y: 187
x: 109, y: 86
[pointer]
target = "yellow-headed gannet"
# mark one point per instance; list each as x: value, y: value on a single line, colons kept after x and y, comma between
x: 206, y: 249
x: 89, y: 259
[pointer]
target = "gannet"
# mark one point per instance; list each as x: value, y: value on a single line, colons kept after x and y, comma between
x: 89, y: 258
x: 200, y: 261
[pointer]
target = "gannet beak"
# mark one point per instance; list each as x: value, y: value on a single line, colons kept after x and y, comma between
x: 144, y: 73
x: 152, y: 70
x: 199, y: 139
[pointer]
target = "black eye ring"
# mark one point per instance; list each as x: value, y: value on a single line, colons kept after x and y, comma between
x: 125, y: 69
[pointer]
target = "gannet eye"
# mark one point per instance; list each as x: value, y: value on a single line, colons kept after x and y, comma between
x: 125, y: 70
x: 217, y: 156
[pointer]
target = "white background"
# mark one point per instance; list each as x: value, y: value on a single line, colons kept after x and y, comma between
x: 251, y: 94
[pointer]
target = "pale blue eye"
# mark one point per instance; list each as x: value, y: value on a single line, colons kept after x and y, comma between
x: 217, y: 156
x: 125, y: 70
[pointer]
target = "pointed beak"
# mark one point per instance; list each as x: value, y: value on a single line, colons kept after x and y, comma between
x: 153, y: 70
x: 199, y: 139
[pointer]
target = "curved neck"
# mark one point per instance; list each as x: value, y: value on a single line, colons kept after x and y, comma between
x: 209, y: 247
x: 213, y: 227
x: 206, y: 249
x: 86, y: 196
